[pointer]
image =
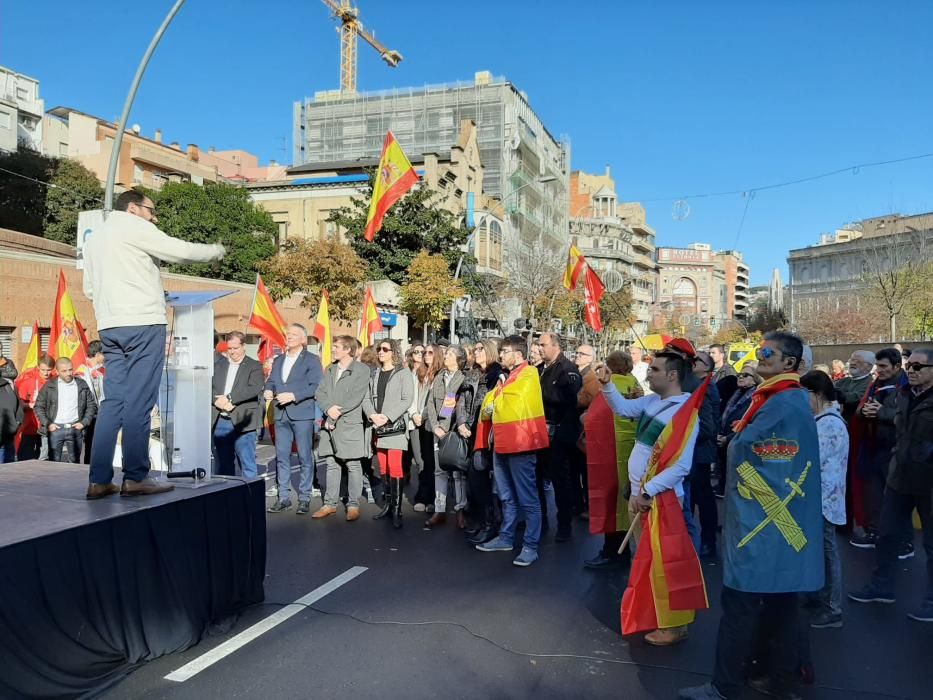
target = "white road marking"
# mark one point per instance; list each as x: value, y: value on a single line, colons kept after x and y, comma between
x: 208, y: 659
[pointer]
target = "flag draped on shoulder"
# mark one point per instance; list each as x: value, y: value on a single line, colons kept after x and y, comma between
x: 32, y: 352
x: 609, y: 442
x: 666, y: 585
x: 322, y: 329
x: 393, y: 179
x: 575, y: 264
x: 66, y: 338
x: 517, y: 422
x: 370, y: 321
x: 265, y: 317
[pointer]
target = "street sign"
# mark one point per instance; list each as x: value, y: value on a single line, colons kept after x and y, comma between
x: 388, y: 320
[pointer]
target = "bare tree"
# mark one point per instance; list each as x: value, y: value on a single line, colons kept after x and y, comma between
x: 534, y: 278
x: 894, y: 270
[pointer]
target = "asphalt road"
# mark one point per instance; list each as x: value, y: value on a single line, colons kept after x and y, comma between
x: 432, y: 618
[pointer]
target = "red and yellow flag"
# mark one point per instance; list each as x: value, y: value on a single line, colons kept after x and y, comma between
x: 666, y: 586
x: 370, y: 321
x: 517, y: 422
x: 265, y: 317
x: 393, y: 179
x: 609, y: 442
x: 66, y: 338
x: 32, y: 352
x: 593, y: 291
x: 322, y: 329
x: 575, y: 264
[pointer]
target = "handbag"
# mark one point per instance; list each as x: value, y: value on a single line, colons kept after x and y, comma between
x: 453, y: 452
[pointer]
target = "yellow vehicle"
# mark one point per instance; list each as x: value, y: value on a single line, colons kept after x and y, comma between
x: 740, y: 353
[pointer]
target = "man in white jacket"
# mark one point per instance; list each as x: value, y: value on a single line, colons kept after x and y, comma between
x: 121, y: 278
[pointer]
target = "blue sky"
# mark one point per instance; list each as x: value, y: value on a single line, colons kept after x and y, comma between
x: 678, y: 97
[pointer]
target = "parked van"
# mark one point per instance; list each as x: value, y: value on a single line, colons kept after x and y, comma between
x: 740, y: 353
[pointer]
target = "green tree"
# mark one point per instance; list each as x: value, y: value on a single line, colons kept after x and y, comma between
x: 429, y: 290
x: 76, y: 189
x: 308, y: 268
x: 414, y: 223
x: 217, y: 214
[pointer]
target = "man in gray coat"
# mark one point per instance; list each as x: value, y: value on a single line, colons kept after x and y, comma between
x: 343, y: 438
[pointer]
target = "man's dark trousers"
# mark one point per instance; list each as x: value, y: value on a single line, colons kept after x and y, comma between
x: 895, y: 514
x: 134, y: 357
x: 58, y: 439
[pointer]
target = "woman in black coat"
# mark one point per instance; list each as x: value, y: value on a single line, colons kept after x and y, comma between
x: 735, y: 408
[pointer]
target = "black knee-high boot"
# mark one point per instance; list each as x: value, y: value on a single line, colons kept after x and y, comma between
x: 388, y: 494
x: 396, y: 486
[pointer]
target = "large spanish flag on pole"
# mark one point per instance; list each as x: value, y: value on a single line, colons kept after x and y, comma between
x: 370, y: 321
x: 265, y: 318
x: 393, y: 179
x: 66, y: 338
x: 32, y: 352
x: 575, y: 264
x: 322, y: 329
x: 517, y: 421
x: 609, y: 442
x: 666, y: 587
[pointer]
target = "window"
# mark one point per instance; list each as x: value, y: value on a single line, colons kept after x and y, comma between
x: 6, y: 121
x: 6, y: 341
x: 22, y: 94
x: 62, y: 148
x: 137, y: 172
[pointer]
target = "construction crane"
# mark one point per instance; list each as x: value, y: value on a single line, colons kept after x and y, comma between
x: 350, y: 28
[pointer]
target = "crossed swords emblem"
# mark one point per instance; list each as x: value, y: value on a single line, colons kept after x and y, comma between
x: 754, y: 486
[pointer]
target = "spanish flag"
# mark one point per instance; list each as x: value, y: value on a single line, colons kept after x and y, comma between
x: 66, y: 338
x: 32, y: 352
x: 322, y: 329
x: 393, y: 179
x: 666, y: 586
x: 370, y: 321
x: 575, y: 264
x: 265, y: 318
x: 609, y: 442
x: 517, y: 422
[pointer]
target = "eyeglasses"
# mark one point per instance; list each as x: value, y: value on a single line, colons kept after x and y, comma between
x: 151, y: 209
x: 745, y: 375
x: 383, y: 348
x: 916, y: 366
x: 584, y: 354
x: 417, y: 352
x: 479, y: 348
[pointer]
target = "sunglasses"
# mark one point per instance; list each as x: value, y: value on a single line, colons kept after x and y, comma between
x: 745, y: 375
x: 916, y: 366
x: 417, y: 352
x: 428, y: 352
x: 765, y: 353
x: 383, y: 349
x: 479, y: 348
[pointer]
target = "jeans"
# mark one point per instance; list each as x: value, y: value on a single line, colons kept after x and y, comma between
x: 134, y: 356
x: 746, y: 618
x: 704, y: 500
x: 8, y: 450
x: 70, y: 438
x: 301, y: 432
x: 687, y: 504
x: 89, y: 439
x: 896, y: 511
x: 441, y: 484
x: 830, y: 596
x: 354, y: 481
x: 232, y: 447
x: 518, y: 490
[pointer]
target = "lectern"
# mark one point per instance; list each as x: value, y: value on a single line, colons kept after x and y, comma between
x: 185, y: 392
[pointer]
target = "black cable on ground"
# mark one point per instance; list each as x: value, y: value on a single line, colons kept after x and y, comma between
x: 535, y: 655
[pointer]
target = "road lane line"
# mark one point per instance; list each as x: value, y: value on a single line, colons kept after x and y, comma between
x: 211, y: 657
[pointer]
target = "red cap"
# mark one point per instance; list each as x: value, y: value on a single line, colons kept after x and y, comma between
x: 681, y: 346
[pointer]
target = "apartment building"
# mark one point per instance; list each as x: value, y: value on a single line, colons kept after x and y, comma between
x: 21, y: 111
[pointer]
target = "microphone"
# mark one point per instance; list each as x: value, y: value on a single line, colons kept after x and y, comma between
x: 198, y: 473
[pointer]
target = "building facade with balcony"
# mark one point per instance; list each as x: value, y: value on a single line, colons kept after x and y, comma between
x: 21, y: 112
x: 525, y: 166
x: 143, y: 161
x: 737, y: 278
x: 616, y: 241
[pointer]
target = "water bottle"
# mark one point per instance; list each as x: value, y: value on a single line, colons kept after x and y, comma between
x: 176, y: 460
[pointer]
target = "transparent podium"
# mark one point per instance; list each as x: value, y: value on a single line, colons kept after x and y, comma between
x: 185, y: 396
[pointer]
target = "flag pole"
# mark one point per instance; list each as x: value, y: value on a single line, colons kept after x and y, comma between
x: 628, y: 536
x: 253, y: 305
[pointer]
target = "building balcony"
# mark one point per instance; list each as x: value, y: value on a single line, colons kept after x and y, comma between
x: 641, y: 242
x: 169, y: 160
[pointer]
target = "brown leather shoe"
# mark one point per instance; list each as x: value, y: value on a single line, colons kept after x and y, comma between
x: 666, y: 637
x: 95, y: 491
x: 146, y: 487
x: 436, y: 519
x: 352, y: 514
x: 323, y: 512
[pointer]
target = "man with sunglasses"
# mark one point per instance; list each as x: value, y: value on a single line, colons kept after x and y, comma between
x: 909, y: 485
x: 122, y: 279
x: 773, y: 531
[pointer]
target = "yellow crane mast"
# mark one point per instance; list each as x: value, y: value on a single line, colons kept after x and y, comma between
x: 350, y: 29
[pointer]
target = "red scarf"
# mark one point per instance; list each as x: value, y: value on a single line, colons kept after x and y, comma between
x: 765, y: 391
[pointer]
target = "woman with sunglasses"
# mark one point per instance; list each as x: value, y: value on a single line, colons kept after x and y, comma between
x: 422, y: 441
x: 448, y: 410
x: 486, y: 374
x: 386, y: 406
x: 735, y: 408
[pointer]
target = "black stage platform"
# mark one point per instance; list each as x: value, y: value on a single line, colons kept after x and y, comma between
x: 91, y: 589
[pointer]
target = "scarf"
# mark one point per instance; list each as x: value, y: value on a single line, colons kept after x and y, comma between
x: 765, y: 391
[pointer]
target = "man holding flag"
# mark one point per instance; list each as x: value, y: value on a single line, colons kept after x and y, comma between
x: 773, y: 531
x: 666, y: 583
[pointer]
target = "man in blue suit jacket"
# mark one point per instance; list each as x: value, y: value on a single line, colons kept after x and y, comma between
x: 291, y: 385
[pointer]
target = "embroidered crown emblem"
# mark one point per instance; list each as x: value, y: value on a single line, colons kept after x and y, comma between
x: 776, y: 449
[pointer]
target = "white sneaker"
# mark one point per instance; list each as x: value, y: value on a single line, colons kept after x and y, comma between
x: 418, y: 507
x: 272, y: 490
